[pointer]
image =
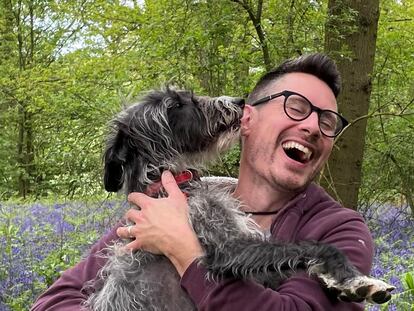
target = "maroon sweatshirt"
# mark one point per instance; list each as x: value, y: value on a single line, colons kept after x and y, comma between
x: 311, y: 215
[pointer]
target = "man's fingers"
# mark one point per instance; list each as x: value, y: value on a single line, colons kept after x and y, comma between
x: 134, y: 245
x: 126, y: 232
x: 170, y: 184
x: 132, y: 214
x: 121, y: 232
x: 138, y: 199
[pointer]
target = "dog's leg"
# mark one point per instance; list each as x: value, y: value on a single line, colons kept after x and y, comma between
x: 234, y: 248
x: 259, y: 260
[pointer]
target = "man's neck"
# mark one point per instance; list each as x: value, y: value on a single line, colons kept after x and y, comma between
x: 259, y: 195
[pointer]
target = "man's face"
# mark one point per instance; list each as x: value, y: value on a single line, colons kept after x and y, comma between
x: 288, y: 154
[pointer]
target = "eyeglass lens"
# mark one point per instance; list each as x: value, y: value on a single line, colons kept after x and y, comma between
x: 299, y: 108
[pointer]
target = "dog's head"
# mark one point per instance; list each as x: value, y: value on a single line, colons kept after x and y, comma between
x: 168, y: 129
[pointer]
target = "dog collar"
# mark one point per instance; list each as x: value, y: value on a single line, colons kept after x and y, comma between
x: 155, y: 188
x: 262, y: 213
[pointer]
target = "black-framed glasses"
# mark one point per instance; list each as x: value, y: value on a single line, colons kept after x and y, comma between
x: 298, y: 108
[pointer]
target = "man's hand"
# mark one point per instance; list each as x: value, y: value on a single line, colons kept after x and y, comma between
x: 162, y: 226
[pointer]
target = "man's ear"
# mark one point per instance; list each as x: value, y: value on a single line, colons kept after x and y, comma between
x: 249, y: 117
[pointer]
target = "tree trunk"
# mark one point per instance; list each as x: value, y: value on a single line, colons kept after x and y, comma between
x: 351, y: 42
x: 6, y: 31
x: 25, y: 145
x: 406, y: 182
x: 21, y: 158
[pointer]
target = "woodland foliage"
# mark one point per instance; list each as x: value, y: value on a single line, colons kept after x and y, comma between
x: 68, y: 66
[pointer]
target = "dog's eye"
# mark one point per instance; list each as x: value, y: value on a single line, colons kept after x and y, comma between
x: 178, y: 105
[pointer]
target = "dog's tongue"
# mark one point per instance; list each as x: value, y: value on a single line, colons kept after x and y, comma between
x: 180, y: 178
x: 183, y: 177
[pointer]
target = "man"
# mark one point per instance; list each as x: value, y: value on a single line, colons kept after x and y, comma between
x: 288, y: 129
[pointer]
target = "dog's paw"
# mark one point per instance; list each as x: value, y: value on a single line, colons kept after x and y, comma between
x: 359, y: 289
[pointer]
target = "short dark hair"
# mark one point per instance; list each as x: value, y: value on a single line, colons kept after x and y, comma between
x: 317, y: 64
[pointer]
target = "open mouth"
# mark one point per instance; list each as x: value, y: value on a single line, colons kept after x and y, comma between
x: 297, y: 152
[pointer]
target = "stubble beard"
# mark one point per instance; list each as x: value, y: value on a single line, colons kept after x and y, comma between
x: 290, y: 183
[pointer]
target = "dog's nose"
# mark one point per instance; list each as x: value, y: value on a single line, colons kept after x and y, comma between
x: 239, y: 102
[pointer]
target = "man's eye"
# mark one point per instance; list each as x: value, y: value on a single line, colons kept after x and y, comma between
x: 297, y: 109
x: 329, y: 124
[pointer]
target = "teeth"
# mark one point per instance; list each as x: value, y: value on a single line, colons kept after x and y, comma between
x: 293, y: 144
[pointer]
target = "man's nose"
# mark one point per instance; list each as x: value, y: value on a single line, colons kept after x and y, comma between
x: 311, y: 125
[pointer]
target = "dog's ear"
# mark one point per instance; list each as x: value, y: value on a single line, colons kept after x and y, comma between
x: 114, y: 160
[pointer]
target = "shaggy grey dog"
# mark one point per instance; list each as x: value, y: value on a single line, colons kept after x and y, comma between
x: 179, y: 131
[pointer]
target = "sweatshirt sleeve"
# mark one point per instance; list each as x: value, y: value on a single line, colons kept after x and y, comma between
x: 299, y: 292
x: 66, y: 293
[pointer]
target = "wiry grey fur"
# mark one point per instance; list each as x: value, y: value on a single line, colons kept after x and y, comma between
x: 176, y: 130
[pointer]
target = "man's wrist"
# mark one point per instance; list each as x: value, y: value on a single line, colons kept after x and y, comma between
x: 183, y: 257
x: 182, y: 265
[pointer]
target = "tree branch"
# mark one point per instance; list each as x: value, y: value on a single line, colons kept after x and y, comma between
x: 256, y: 20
